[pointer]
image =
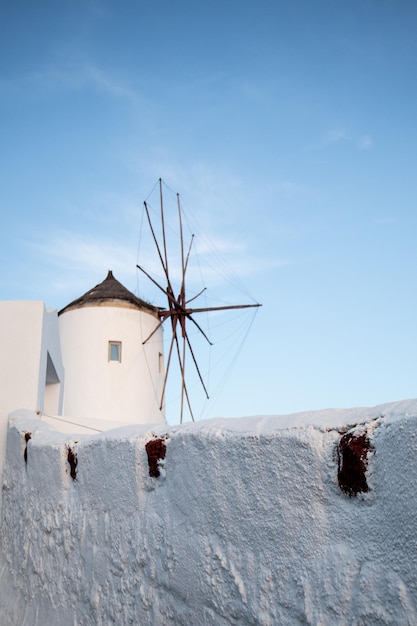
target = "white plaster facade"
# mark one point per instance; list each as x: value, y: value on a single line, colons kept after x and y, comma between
x: 125, y: 391
x: 31, y: 370
x: 58, y: 364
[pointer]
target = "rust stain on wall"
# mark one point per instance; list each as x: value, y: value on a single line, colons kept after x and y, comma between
x: 156, y: 450
x: 73, y: 462
x: 352, y: 453
x: 25, y: 454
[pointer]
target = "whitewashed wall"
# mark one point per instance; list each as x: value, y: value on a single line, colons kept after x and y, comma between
x: 28, y: 332
x: 246, y: 524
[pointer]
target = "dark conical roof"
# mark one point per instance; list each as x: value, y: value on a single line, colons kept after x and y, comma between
x: 109, y: 291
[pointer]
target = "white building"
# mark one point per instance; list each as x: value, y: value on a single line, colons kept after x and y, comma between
x: 85, y: 368
x: 110, y: 373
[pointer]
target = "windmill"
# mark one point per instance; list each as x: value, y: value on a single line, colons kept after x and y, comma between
x: 179, y: 311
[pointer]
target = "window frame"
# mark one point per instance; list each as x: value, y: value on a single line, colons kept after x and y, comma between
x: 118, y: 345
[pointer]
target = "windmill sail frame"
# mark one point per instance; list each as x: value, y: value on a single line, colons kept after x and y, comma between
x: 178, y: 309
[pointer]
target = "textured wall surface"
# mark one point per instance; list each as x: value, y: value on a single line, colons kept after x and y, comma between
x: 243, y: 522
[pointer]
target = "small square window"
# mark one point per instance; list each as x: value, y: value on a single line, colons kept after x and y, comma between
x: 115, y: 351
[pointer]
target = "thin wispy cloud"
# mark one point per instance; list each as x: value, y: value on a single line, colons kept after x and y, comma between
x: 73, y: 262
x: 110, y: 84
x: 365, y: 142
x: 211, y: 195
x: 335, y: 136
x: 75, y: 76
x: 340, y: 136
x: 76, y: 253
x: 221, y: 210
x: 215, y: 197
x: 212, y: 262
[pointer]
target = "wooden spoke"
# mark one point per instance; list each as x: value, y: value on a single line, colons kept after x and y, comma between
x: 182, y: 249
x: 229, y: 307
x: 188, y: 253
x: 183, y: 387
x: 196, y: 366
x: 164, y: 267
x: 161, y: 202
x: 154, y: 331
x: 188, y: 316
x: 169, y: 295
x: 196, y: 296
x: 164, y: 262
x: 161, y: 403
x: 184, y: 390
x: 208, y: 309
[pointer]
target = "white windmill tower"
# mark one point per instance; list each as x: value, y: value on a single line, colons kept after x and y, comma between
x: 110, y: 374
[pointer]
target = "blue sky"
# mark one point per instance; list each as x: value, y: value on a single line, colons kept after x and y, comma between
x: 288, y: 128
